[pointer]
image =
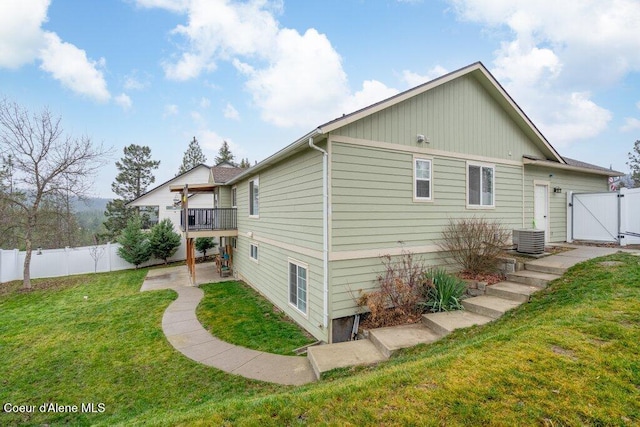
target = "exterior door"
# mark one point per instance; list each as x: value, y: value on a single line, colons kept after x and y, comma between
x: 541, y: 209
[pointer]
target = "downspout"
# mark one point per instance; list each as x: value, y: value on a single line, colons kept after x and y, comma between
x: 325, y: 233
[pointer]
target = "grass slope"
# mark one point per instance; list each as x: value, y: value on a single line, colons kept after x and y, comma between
x: 237, y: 314
x: 570, y: 357
x: 57, y: 347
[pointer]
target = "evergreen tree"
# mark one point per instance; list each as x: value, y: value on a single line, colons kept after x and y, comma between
x: 634, y: 163
x: 163, y: 240
x: 224, y: 154
x: 203, y: 244
x: 244, y: 163
x: 135, y: 247
x: 134, y: 177
x: 192, y: 157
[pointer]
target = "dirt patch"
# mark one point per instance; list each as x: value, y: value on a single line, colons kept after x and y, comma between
x: 165, y: 276
x: 48, y: 284
x: 406, y: 319
x: 604, y: 244
x: 610, y: 263
x: 564, y: 352
x: 489, y: 279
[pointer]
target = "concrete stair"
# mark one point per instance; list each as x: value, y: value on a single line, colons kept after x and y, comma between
x: 448, y: 321
x: 532, y: 278
x: 384, y: 342
x: 512, y: 291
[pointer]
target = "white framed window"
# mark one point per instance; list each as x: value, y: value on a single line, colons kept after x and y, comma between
x: 480, y: 185
x: 254, y: 198
x: 421, y: 179
x: 233, y: 197
x: 253, y: 252
x: 298, y: 285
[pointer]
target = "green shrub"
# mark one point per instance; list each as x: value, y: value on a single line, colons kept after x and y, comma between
x: 203, y: 244
x: 163, y: 240
x: 134, y: 245
x: 442, y: 291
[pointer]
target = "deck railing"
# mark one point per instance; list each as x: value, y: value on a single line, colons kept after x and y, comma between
x: 210, y: 219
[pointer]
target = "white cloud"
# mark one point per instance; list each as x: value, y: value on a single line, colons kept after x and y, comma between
x: 124, y: 101
x: 204, y: 102
x: 294, y: 78
x: 21, y: 36
x: 170, y: 110
x: 136, y: 82
x: 414, y: 79
x: 580, y: 45
x: 630, y: 124
x: 211, y: 141
x: 22, y: 40
x: 230, y: 112
x: 372, y: 91
x: 73, y: 69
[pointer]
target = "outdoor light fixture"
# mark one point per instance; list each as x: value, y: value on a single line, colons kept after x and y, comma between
x: 39, y: 251
x: 421, y: 138
x: 176, y: 200
x: 557, y: 190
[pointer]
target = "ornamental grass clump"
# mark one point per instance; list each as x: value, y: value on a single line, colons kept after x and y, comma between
x: 442, y: 291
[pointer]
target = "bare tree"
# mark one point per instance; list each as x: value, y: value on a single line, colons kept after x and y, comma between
x: 46, y: 163
x: 96, y: 251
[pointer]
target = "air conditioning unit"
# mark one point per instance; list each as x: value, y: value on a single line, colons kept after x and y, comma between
x: 529, y: 240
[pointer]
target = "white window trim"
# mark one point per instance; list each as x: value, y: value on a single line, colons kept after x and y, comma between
x: 255, y: 179
x: 257, y: 259
x: 481, y: 165
x: 234, y: 189
x: 294, y: 306
x: 415, y: 179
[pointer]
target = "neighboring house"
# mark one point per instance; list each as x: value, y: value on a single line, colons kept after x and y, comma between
x: 314, y: 218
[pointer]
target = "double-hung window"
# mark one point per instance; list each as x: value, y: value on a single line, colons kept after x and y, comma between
x: 234, y: 193
x: 480, y: 185
x: 421, y: 179
x: 254, y: 252
x: 254, y: 200
x: 298, y: 285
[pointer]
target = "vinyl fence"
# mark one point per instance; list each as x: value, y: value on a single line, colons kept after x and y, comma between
x: 606, y: 217
x: 68, y: 261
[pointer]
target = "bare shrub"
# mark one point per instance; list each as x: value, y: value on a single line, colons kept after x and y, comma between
x: 475, y: 243
x: 399, y: 293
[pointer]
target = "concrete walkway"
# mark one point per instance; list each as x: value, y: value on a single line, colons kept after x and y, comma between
x: 186, y: 334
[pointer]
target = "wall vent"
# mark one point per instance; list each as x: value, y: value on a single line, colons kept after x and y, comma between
x: 529, y: 240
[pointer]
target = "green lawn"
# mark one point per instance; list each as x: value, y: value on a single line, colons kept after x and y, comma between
x: 570, y: 357
x: 237, y: 314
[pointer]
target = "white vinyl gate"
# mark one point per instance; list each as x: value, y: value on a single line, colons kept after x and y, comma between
x: 606, y: 217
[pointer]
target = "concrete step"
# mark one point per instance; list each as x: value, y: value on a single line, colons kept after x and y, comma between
x: 389, y: 340
x: 324, y: 358
x: 532, y: 278
x: 447, y: 321
x: 512, y: 290
x: 489, y: 306
x: 545, y: 266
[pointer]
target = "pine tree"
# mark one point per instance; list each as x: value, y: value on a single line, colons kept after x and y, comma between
x: 192, y: 157
x: 224, y: 154
x: 163, y: 240
x: 634, y: 163
x: 134, y: 177
x: 135, y: 247
x: 244, y: 163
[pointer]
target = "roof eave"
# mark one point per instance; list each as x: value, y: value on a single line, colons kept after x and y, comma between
x: 549, y: 164
x: 274, y: 158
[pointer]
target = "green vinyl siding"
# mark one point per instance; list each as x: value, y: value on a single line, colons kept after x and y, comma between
x: 567, y: 181
x: 290, y: 217
x: 270, y: 277
x: 372, y: 198
x: 224, y: 197
x: 459, y: 116
x: 290, y: 199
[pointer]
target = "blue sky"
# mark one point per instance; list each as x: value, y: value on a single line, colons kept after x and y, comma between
x: 259, y: 74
